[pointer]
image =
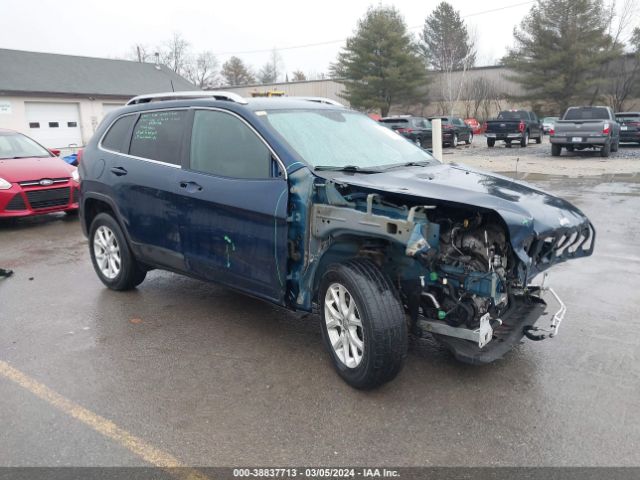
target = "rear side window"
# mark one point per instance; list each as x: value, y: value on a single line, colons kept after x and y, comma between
x: 117, y: 138
x: 158, y: 136
x: 221, y: 144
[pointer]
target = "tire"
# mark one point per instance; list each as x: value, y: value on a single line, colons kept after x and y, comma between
x: 418, y: 142
x: 570, y: 148
x: 454, y: 143
x: 524, y: 141
x: 555, y: 150
x: 470, y: 139
x: 605, y: 150
x: 507, y: 143
x: 491, y: 142
x: 105, y: 233
x: 615, y: 146
x: 71, y: 213
x: 382, y: 331
x: 539, y: 139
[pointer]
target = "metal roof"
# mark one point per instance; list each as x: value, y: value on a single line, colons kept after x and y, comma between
x: 50, y: 73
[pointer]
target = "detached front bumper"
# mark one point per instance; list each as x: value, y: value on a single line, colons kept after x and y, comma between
x: 504, y: 333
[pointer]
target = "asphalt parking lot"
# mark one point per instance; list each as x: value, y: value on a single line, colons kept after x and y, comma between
x: 209, y: 377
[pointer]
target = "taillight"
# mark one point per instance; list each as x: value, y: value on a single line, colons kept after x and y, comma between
x: 521, y: 126
x: 79, y: 156
x: 606, y: 129
x: 552, y: 131
x: 404, y: 130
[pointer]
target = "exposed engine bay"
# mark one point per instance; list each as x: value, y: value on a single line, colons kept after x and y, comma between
x: 453, y: 266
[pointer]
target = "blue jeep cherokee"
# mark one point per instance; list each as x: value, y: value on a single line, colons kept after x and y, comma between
x: 315, y: 207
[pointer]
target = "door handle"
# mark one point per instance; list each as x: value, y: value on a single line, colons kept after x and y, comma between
x: 191, y: 187
x: 119, y: 171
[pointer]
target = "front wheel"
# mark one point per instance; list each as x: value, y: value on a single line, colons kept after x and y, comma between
x: 111, y: 257
x: 363, y: 323
x: 605, y: 150
x: 555, y: 150
x: 491, y: 142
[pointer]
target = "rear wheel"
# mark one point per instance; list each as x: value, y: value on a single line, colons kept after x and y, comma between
x: 539, y: 139
x: 491, y: 142
x: 454, y: 143
x: 470, y: 139
x: 363, y: 323
x: 111, y: 257
x: 615, y: 146
x: 418, y: 142
x: 524, y: 141
x: 555, y: 149
x: 605, y: 150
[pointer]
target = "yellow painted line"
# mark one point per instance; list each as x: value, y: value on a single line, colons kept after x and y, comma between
x: 101, y: 425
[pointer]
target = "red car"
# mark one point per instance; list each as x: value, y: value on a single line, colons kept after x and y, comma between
x: 475, y: 125
x: 33, y: 180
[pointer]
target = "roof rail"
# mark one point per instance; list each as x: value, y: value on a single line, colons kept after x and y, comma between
x: 159, y: 97
x: 328, y: 101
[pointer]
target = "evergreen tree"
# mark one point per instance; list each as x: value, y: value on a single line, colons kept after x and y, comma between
x: 445, y: 41
x: 379, y: 65
x: 560, y: 50
x: 235, y: 72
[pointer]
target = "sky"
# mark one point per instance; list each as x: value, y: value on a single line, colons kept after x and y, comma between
x: 248, y: 29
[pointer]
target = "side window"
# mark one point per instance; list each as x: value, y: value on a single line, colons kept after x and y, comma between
x: 117, y: 138
x: 221, y: 144
x: 158, y: 136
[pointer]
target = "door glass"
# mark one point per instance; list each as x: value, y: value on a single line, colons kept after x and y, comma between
x: 221, y: 144
x: 158, y: 136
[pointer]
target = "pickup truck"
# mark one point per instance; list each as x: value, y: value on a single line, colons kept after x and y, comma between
x: 513, y: 126
x: 586, y: 127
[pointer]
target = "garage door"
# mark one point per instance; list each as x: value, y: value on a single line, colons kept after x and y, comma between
x: 54, y: 125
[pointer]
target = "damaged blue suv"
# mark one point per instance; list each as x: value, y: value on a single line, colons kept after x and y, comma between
x: 314, y: 207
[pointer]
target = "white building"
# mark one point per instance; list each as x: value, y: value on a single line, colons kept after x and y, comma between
x: 59, y: 100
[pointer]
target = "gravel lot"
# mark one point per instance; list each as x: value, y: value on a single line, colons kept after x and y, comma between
x: 537, y: 159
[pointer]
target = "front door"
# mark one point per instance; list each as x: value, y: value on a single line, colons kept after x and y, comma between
x: 234, y: 206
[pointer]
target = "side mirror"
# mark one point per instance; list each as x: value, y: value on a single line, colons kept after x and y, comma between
x: 55, y: 151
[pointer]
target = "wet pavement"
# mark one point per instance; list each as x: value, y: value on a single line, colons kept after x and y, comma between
x: 216, y: 378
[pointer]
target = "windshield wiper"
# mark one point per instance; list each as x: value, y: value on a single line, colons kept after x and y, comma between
x: 346, y: 168
x: 422, y: 163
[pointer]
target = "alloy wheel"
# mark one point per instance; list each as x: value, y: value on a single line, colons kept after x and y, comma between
x: 344, y: 325
x: 107, y: 252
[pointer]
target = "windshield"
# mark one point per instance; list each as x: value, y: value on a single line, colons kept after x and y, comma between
x: 549, y: 119
x: 587, y: 113
x: 341, y: 138
x: 519, y: 115
x: 16, y: 145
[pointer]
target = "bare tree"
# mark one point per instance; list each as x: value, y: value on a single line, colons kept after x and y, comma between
x: 298, y: 76
x: 140, y: 53
x: 175, y: 53
x: 202, y: 70
x: 272, y: 70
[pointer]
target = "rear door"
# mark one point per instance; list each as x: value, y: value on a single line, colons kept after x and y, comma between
x: 142, y: 175
x: 535, y: 128
x: 233, y: 209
